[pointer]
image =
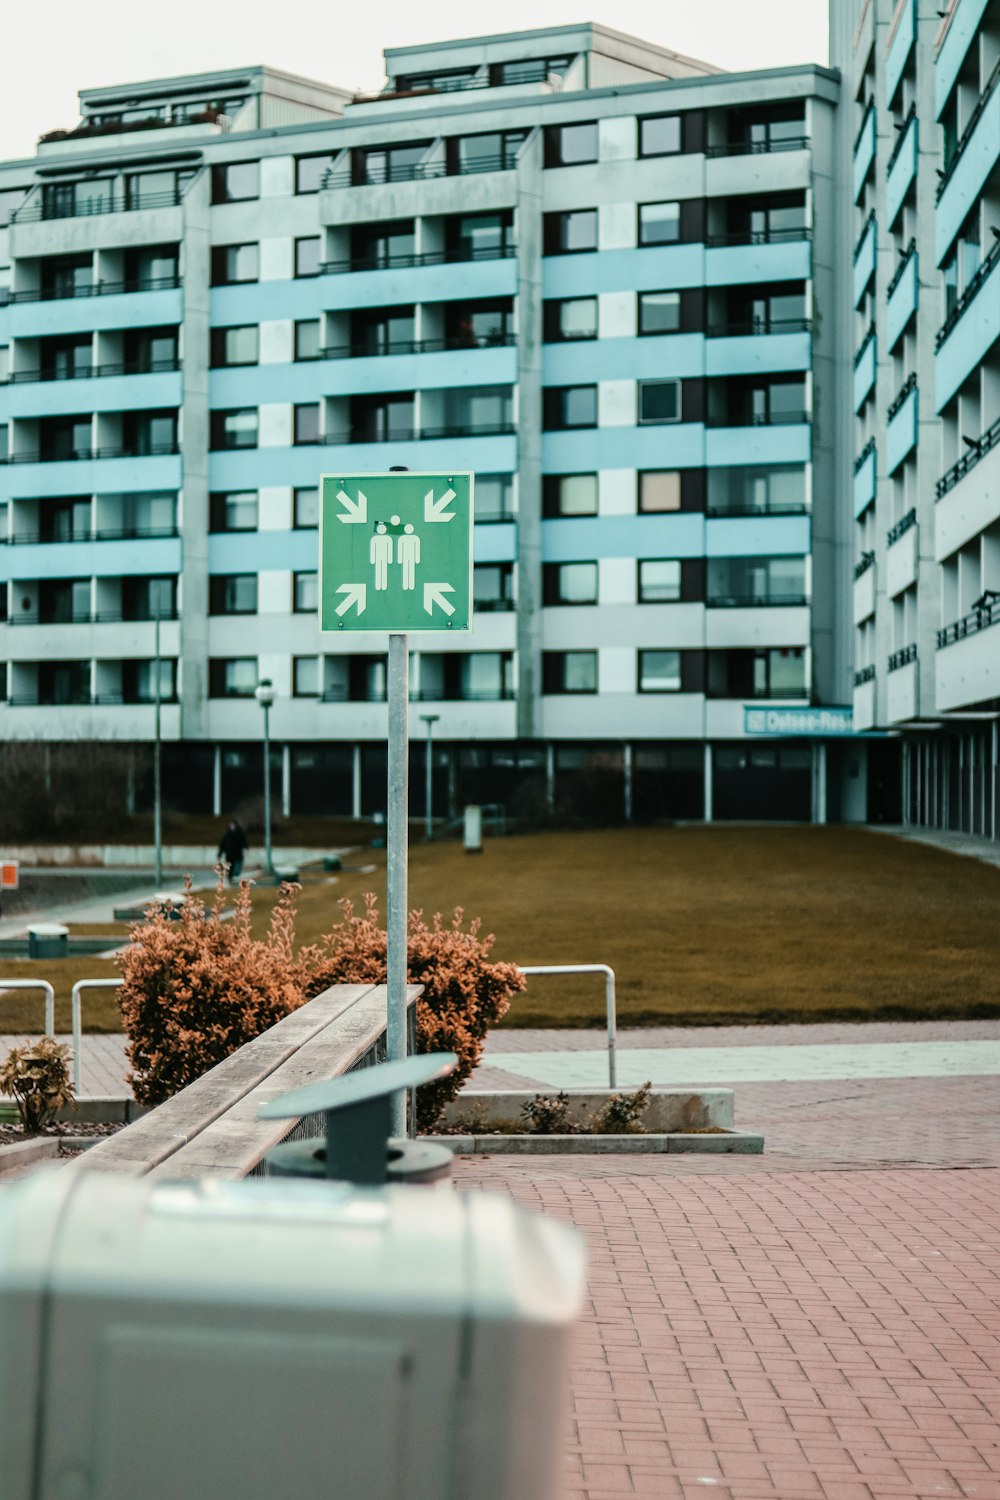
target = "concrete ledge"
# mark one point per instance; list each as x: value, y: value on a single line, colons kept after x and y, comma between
x: 735, y: 1142
x: 24, y: 1153
x: 667, y: 1110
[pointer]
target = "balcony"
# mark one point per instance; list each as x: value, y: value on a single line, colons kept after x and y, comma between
x: 38, y: 207
x: 902, y: 35
x: 901, y: 428
x: 864, y: 259
x: 962, y: 342
x: 95, y: 372
x: 967, y: 664
x: 433, y: 276
x: 99, y: 388
x: 864, y: 589
x: 757, y: 346
x: 864, y: 152
x: 420, y: 171
x: 968, y: 495
x: 901, y: 296
x: 902, y: 169
x: 100, y: 308
x: 83, y: 455
x: 89, y: 617
x: 972, y: 161
x: 421, y: 434
x: 758, y: 148
x: 959, y: 30
x: 864, y: 369
x: 903, y: 686
x: 96, y: 289
x: 123, y: 534
x: 864, y: 699
x: 419, y: 346
x: 903, y: 556
x: 865, y: 471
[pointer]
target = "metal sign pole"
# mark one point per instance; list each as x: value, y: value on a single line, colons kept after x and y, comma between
x: 157, y: 784
x: 397, y: 832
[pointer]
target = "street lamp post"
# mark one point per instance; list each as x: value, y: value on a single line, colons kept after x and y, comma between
x: 430, y: 720
x: 265, y: 693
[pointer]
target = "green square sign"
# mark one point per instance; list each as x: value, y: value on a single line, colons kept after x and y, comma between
x: 395, y: 552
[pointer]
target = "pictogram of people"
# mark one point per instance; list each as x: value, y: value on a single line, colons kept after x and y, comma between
x: 408, y: 556
x: 380, y: 553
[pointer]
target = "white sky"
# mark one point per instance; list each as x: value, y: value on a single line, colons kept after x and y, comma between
x: 52, y: 51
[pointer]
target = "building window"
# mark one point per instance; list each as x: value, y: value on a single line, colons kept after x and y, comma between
x: 659, y: 401
x: 569, y: 495
x: 570, y: 233
x: 494, y: 497
x: 660, y: 135
x: 569, y: 406
x: 492, y: 152
x: 232, y: 594
x: 305, y: 509
x: 307, y: 255
x: 659, y: 223
x: 232, y: 676
x: 659, y: 312
x: 570, y: 318
x: 235, y: 263
x: 234, y: 429
x: 310, y: 171
x: 305, y: 676
x: 235, y: 346
x: 139, y: 681
x: 659, y: 672
x: 659, y: 581
x: 236, y: 182
x: 493, y: 586
x: 570, y: 145
x: 307, y: 339
x: 659, y: 490
x: 306, y: 423
x: 234, y: 512
x: 569, y: 583
x: 778, y: 672
x: 305, y: 593
x: 755, y: 581
x: 569, y: 671
x: 781, y: 489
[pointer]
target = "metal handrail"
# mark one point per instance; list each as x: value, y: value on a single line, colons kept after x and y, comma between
x: 754, y: 601
x: 861, y: 130
x: 739, y: 328
x: 99, y: 289
x: 36, y: 984
x: 866, y: 561
x: 909, y: 385
x: 76, y: 1007
x: 758, y: 148
x: 753, y: 237
x: 37, y: 207
x: 984, y: 614
x: 95, y: 372
x: 902, y: 526
x: 961, y: 467
x: 92, y: 617
x: 968, y: 296
x: 864, y: 455
x: 911, y: 115
x: 609, y: 997
x: 903, y: 657
x: 862, y: 237
x: 866, y: 674
x: 155, y: 450
x: 416, y: 434
x: 122, y: 533
x: 908, y: 254
x: 869, y: 336
x: 411, y: 259
x: 419, y: 346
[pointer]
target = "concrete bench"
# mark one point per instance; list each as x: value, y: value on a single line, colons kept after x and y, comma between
x: 210, y: 1129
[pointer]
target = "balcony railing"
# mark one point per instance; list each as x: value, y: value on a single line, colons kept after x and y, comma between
x: 901, y: 268
x: 74, y: 455
x: 415, y: 434
x: 862, y: 237
x: 741, y: 327
x: 903, y: 658
x: 968, y: 132
x: 869, y: 335
x: 410, y: 259
x: 98, y: 289
x: 864, y: 455
x: 759, y: 419
x: 974, y: 452
x: 751, y: 508
x: 911, y: 114
x: 865, y: 674
x: 103, y: 534
x: 861, y: 128
x: 866, y: 561
x: 909, y: 384
x: 758, y: 237
x: 420, y: 346
x: 38, y: 207
x: 95, y: 372
x: 87, y: 700
x: 968, y: 295
x: 984, y: 613
x: 902, y: 526
x: 89, y: 617
x: 759, y: 148
x: 421, y: 695
x: 755, y: 601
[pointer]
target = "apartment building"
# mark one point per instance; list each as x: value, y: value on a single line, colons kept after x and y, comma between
x: 576, y: 263
x: 926, y: 503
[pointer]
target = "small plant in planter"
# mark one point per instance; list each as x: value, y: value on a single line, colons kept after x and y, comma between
x: 622, y: 1114
x: 37, y: 1078
x: 548, y: 1114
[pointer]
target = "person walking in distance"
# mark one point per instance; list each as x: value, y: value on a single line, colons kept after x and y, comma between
x: 232, y: 849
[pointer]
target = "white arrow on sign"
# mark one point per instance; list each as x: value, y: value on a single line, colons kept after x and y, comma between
x: 356, y: 594
x: 356, y: 510
x: 437, y: 510
x: 434, y: 593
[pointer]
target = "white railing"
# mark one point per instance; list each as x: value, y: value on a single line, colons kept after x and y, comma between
x: 609, y: 996
x: 36, y: 984
x: 75, y: 1002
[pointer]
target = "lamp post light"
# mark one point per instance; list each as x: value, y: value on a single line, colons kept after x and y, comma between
x: 430, y: 720
x: 265, y: 693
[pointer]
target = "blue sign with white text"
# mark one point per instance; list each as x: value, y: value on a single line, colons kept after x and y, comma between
x: 797, y: 721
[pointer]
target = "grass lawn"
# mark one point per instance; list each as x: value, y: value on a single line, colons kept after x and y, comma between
x: 701, y: 924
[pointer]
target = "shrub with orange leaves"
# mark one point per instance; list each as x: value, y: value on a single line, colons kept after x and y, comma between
x: 463, y: 993
x: 197, y: 987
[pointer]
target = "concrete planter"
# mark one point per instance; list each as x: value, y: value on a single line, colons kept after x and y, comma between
x: 727, y: 1142
x: 668, y: 1109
